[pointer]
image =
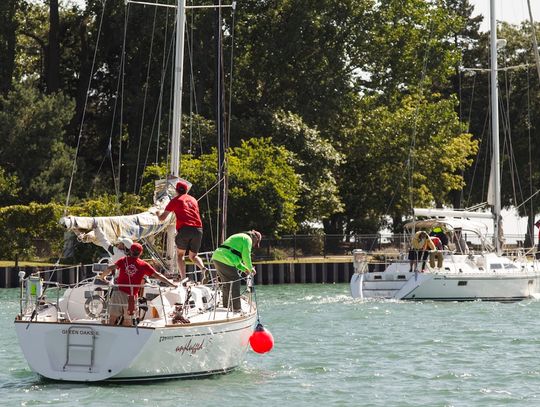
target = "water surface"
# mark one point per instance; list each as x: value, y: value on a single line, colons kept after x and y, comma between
x: 331, y: 350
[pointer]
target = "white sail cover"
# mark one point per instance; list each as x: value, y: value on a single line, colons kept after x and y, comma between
x: 135, y: 227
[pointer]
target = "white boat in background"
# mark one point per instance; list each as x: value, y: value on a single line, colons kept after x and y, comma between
x: 464, y: 275
x: 178, y: 332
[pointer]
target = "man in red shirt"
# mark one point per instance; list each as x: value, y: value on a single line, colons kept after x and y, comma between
x: 188, y: 227
x: 129, y: 281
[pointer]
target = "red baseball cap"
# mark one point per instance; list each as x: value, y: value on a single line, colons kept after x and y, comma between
x: 136, y: 249
x: 182, y: 185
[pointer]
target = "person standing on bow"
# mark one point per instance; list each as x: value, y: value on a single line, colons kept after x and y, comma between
x: 128, y: 283
x: 232, y: 257
x: 189, y: 230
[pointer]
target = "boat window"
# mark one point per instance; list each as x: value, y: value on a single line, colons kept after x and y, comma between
x: 510, y: 266
x: 401, y: 277
x: 495, y: 266
x: 377, y: 277
x: 461, y: 283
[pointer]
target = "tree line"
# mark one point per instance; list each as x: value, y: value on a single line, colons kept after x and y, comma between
x: 343, y: 114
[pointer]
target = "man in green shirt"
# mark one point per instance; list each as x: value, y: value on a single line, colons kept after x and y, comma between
x: 231, y: 258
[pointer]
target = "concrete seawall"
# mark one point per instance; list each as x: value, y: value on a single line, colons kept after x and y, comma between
x: 267, y: 273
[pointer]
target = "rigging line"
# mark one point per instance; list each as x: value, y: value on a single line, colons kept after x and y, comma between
x: 147, y: 80
x: 535, y: 43
x: 191, y: 84
x: 505, y: 119
x: 528, y: 199
x: 122, y: 80
x: 231, y: 75
x: 410, y: 159
x: 211, y: 188
x: 529, y: 138
x: 469, y: 116
x: 477, y: 161
x: 162, y: 84
x: 157, y: 118
x: 171, y: 102
x: 74, y: 167
x: 203, y: 163
x: 513, y: 167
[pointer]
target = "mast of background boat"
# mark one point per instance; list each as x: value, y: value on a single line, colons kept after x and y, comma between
x: 495, y: 168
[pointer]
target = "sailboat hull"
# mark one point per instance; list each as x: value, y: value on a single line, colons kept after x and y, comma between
x: 460, y: 279
x: 94, y: 352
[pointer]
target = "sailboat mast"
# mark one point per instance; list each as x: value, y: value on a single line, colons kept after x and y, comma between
x: 220, y: 126
x: 177, y: 98
x: 177, y: 120
x: 495, y: 130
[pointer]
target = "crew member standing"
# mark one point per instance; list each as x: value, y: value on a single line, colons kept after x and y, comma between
x: 230, y: 258
x: 129, y: 280
x: 189, y: 230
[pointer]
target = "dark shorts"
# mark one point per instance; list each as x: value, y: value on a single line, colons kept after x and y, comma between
x: 189, y: 238
x: 417, y: 255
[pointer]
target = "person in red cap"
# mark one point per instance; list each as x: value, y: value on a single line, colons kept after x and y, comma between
x: 189, y: 230
x: 128, y: 283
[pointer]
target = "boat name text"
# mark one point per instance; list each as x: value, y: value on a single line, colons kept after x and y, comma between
x: 190, y: 347
x: 77, y: 332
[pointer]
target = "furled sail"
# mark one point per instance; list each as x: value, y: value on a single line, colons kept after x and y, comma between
x: 136, y: 227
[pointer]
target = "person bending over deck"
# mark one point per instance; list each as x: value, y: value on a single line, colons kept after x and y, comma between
x: 421, y: 244
x: 231, y: 258
x: 132, y: 272
x: 189, y: 230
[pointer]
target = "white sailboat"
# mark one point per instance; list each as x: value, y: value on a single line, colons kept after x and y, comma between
x: 178, y: 332
x: 463, y: 274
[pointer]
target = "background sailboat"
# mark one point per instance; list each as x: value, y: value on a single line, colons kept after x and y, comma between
x: 484, y: 274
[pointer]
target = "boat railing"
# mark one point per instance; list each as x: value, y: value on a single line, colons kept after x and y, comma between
x: 93, y: 301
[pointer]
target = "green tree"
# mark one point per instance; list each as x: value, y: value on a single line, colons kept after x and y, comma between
x: 9, y: 188
x: 316, y: 161
x: 410, y: 46
x: 8, y: 36
x: 399, y: 158
x: 31, y: 142
x: 263, y: 187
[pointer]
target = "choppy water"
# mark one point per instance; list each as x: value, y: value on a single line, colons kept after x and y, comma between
x: 331, y: 350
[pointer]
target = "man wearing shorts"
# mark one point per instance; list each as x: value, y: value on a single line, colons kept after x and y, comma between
x: 188, y: 227
x: 232, y: 257
x: 128, y: 283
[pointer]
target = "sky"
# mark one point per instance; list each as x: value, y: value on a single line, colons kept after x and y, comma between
x: 512, y: 11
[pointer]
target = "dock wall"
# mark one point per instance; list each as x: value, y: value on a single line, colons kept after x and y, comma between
x: 267, y: 273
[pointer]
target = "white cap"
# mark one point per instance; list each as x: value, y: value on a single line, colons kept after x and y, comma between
x: 126, y: 241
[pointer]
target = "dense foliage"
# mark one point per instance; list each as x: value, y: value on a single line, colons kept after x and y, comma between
x: 345, y: 114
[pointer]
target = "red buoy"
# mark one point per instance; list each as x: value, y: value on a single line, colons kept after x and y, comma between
x: 261, y: 340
